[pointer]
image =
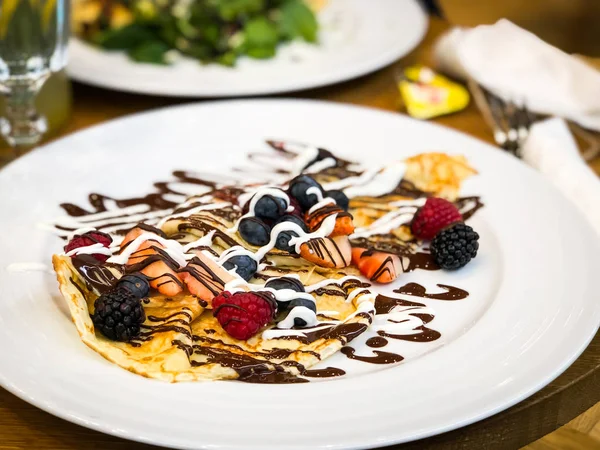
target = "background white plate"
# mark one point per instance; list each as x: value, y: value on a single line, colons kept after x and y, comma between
x: 357, y: 37
x: 532, y: 311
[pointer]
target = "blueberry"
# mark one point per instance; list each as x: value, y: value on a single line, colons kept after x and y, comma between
x: 283, y: 241
x: 244, y: 266
x: 254, y: 231
x: 285, y: 283
x: 301, y: 302
x: 294, y: 219
x: 298, y: 188
x: 283, y: 237
x: 340, y: 198
x: 270, y: 207
x: 137, y: 284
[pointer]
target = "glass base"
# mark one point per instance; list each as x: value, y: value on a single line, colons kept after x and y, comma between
x: 23, y: 134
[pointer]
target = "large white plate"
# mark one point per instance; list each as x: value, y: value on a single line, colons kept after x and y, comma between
x: 357, y: 37
x: 533, y: 306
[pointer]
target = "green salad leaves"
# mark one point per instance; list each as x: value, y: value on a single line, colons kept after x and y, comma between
x: 208, y: 30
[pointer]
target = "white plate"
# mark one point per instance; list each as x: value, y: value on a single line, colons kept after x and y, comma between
x: 356, y: 37
x: 533, y: 306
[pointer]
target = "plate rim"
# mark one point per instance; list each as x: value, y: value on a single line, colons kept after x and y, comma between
x: 384, y: 59
x: 471, y: 419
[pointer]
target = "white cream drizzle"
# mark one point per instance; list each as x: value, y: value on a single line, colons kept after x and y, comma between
x: 323, y: 202
x: 391, y: 220
x: 79, y: 232
x: 299, y: 312
x: 326, y: 228
x: 321, y: 165
x: 306, y: 155
x: 401, y: 319
x: 194, y: 210
x: 314, y: 190
x: 355, y: 293
x: 358, y: 180
x: 373, y: 182
x: 204, y: 241
x: 323, y: 283
x: 328, y: 313
x: 173, y: 248
x: 275, y: 333
x: 96, y: 247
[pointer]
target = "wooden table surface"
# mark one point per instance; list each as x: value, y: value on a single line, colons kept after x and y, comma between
x: 575, y: 391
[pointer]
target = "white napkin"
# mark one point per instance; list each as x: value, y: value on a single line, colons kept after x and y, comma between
x: 551, y: 149
x: 518, y: 66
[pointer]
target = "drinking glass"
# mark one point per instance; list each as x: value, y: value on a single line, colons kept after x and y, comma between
x: 33, y: 44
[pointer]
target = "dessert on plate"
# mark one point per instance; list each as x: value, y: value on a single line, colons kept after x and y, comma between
x: 260, y: 281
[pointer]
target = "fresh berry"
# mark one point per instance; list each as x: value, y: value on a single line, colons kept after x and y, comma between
x: 283, y: 237
x: 294, y: 219
x: 432, y: 217
x: 244, y: 266
x: 285, y: 283
x: 161, y: 273
x: 283, y: 241
x: 299, y: 187
x: 278, y: 284
x: 270, y: 207
x: 138, y: 230
x: 299, y: 322
x: 87, y: 239
x: 343, y: 222
x: 135, y: 283
x: 453, y: 247
x: 297, y: 210
x: 380, y: 267
x: 204, y: 277
x: 118, y: 315
x: 254, y: 231
x: 340, y: 199
x: 328, y: 252
x: 244, y: 313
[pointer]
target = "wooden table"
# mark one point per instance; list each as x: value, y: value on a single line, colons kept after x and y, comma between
x: 575, y: 391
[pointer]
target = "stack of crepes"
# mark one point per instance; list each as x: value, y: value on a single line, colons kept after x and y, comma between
x: 182, y: 340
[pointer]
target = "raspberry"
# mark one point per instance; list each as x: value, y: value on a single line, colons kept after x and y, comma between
x: 242, y: 314
x: 297, y: 210
x: 434, y: 216
x: 87, y: 239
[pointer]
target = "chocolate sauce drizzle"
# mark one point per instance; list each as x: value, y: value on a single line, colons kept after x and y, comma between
x: 262, y: 367
x: 452, y: 293
x: 380, y: 357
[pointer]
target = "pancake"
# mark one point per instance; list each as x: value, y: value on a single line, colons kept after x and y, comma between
x: 184, y: 259
x: 183, y: 341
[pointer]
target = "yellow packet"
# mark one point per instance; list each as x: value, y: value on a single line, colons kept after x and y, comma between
x: 427, y: 94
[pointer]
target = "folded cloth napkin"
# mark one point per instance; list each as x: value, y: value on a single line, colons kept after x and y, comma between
x: 551, y: 149
x: 518, y: 66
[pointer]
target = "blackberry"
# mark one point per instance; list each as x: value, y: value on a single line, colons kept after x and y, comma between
x: 118, y: 314
x: 453, y: 247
